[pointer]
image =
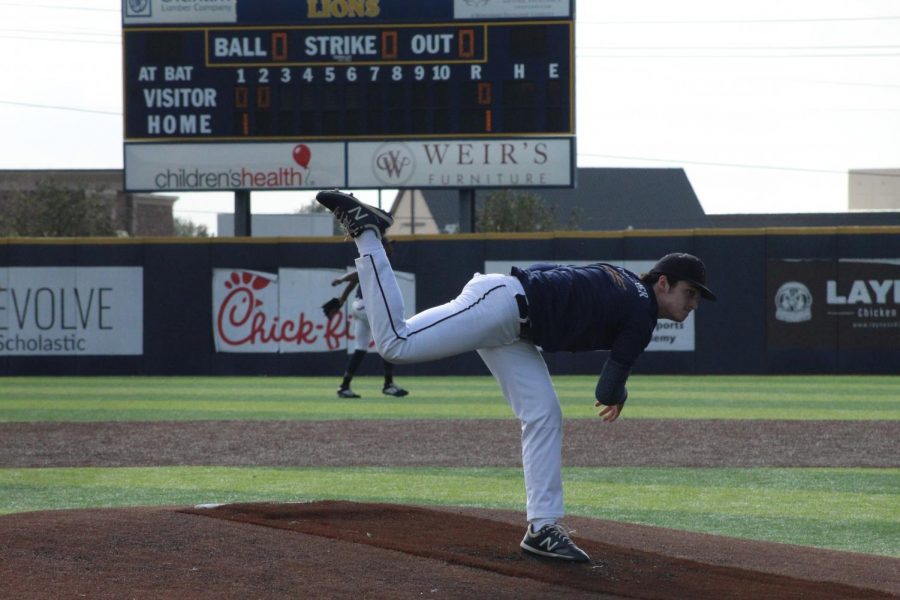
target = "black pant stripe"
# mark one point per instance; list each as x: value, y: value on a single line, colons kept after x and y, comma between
x: 384, y: 298
x: 456, y: 314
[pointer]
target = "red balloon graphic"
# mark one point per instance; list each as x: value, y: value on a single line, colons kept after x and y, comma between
x: 302, y: 155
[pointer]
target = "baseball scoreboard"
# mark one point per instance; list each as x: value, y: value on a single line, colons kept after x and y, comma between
x: 289, y: 94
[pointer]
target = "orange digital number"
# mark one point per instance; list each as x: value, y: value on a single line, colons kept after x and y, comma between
x: 389, y: 44
x: 466, y: 43
x: 279, y: 46
x: 240, y: 97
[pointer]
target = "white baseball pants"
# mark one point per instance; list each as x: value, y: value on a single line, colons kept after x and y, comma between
x: 485, y: 318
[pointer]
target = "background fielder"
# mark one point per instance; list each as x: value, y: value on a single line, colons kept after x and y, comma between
x: 362, y: 336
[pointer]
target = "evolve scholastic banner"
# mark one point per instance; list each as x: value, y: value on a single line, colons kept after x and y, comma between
x: 255, y: 311
x: 848, y: 303
x: 71, y: 311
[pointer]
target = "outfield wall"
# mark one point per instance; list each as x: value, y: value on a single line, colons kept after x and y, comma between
x: 823, y: 300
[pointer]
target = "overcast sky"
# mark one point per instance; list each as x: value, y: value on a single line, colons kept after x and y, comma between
x: 765, y: 104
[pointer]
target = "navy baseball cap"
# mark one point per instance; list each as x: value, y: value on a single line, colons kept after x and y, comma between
x: 686, y: 267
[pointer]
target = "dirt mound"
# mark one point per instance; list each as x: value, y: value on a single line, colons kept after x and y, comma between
x: 344, y: 549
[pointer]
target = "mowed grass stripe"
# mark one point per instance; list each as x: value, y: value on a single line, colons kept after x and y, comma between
x: 168, y: 411
x: 824, y: 480
x: 848, y: 413
x: 186, y: 409
x: 54, y: 488
x: 32, y: 399
x: 885, y: 386
x: 758, y: 505
x: 860, y: 535
x: 95, y: 411
x: 188, y: 386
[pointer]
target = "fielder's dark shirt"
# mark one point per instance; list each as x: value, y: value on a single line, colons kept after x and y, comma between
x: 594, y: 307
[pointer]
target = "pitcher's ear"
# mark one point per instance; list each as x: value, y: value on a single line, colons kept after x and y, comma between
x: 663, y: 283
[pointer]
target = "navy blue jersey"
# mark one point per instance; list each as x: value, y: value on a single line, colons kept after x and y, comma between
x: 594, y: 307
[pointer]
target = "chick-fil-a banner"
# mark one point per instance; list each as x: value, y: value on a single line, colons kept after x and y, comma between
x: 255, y: 311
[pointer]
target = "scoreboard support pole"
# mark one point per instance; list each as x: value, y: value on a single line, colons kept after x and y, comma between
x: 242, y: 213
x: 467, y: 210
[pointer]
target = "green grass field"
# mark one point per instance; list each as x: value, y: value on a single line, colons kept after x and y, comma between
x: 846, y: 509
x: 34, y: 399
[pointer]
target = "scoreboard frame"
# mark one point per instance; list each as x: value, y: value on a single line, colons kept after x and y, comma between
x: 261, y: 100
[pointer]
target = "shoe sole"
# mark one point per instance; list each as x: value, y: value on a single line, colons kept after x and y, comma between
x: 541, y: 553
x: 332, y: 200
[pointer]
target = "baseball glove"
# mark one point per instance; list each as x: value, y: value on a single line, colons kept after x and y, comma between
x: 331, y: 308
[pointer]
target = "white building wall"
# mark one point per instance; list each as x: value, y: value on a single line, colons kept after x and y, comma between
x: 874, y: 189
x: 289, y: 225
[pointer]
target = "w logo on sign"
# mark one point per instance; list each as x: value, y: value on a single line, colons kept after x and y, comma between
x: 393, y: 163
x: 137, y: 8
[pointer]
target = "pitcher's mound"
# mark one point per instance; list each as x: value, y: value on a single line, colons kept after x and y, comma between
x: 344, y: 549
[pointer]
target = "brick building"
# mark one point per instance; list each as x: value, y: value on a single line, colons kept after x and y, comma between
x: 134, y: 215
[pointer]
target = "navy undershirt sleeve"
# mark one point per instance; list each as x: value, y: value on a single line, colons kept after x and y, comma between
x: 611, y: 387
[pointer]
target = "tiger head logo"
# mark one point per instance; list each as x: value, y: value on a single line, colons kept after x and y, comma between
x: 793, y: 303
x: 138, y: 8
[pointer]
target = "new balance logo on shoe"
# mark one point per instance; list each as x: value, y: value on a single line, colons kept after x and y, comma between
x: 552, y: 541
x: 357, y: 213
x: 548, y: 543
